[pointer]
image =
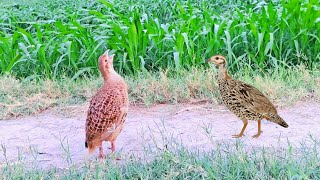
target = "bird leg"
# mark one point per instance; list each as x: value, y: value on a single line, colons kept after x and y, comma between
x: 113, y: 146
x: 113, y: 149
x: 259, y: 130
x: 101, y: 154
x: 245, y: 123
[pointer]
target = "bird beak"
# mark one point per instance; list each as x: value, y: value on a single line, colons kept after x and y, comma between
x: 109, y: 56
x: 208, y: 60
x: 104, y: 56
x: 106, y: 53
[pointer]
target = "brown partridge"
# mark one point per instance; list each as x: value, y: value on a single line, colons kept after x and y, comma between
x: 108, y: 108
x: 244, y: 100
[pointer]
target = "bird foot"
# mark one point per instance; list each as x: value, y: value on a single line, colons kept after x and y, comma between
x: 237, y: 135
x: 114, y: 156
x: 102, y: 156
x: 257, y: 135
x: 112, y: 149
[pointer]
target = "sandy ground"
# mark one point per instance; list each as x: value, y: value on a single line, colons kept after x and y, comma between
x: 56, y: 136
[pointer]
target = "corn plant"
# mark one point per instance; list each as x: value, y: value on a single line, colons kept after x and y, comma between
x: 66, y: 37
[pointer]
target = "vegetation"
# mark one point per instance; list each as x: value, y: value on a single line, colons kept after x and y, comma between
x: 48, y: 57
x: 50, y: 39
x: 27, y: 97
x: 226, y: 161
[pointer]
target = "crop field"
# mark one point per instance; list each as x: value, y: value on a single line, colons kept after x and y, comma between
x: 49, y: 52
x: 53, y: 38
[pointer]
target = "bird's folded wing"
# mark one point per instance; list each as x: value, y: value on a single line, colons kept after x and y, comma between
x: 103, y: 113
x: 253, y: 99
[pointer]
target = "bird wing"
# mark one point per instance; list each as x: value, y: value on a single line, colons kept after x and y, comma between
x: 104, y: 112
x: 253, y: 99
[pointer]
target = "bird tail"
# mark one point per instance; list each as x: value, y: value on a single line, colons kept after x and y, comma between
x: 90, y: 147
x: 276, y: 119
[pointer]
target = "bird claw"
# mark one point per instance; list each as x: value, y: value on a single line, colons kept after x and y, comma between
x: 237, y: 135
x: 257, y: 135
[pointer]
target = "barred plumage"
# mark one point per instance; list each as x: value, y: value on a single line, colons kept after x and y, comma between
x: 244, y: 100
x: 108, y: 108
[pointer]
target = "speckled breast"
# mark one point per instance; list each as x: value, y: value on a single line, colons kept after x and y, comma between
x: 234, y: 104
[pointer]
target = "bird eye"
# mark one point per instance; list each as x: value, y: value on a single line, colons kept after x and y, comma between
x: 217, y: 58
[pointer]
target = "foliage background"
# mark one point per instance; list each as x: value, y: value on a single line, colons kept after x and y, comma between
x: 65, y: 37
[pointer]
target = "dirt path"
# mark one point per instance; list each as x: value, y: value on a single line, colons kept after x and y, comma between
x: 52, y: 138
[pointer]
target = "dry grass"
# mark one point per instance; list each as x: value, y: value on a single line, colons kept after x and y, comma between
x: 197, y: 85
x: 27, y: 97
x: 286, y: 87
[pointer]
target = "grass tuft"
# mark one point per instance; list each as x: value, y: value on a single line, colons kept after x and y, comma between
x: 227, y: 161
x: 283, y: 86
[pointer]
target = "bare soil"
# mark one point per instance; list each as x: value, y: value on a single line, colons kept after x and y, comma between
x: 57, y: 136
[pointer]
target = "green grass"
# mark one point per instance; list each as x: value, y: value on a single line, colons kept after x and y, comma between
x: 51, y: 39
x: 226, y: 161
x: 30, y: 96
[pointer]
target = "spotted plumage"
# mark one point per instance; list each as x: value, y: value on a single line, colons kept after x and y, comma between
x: 108, y: 108
x: 244, y: 100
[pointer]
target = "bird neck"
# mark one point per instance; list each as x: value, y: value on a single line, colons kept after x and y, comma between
x: 223, y: 72
x: 108, y: 73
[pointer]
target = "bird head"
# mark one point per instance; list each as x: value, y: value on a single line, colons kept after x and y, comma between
x: 217, y: 60
x: 106, y: 61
